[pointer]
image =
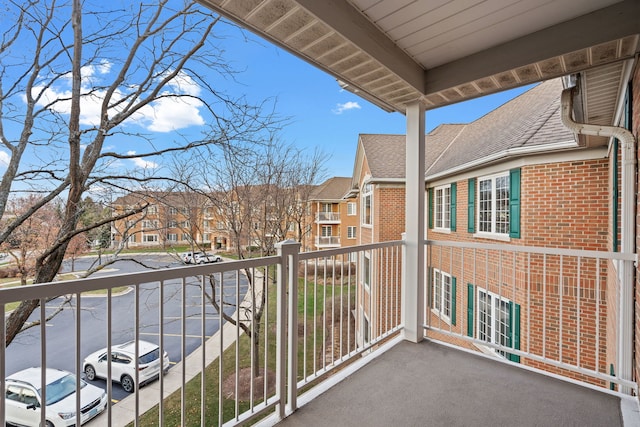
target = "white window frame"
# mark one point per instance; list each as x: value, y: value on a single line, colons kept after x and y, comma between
x: 441, y: 296
x: 351, y: 209
x: 366, y: 218
x: 172, y: 237
x: 149, y: 238
x: 442, y: 208
x: 351, y: 231
x: 492, y: 206
x: 366, y: 269
x: 487, y: 323
x: 326, y: 231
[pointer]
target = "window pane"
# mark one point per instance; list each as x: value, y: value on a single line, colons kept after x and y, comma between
x: 485, y: 199
x: 502, y: 204
x: 437, y: 286
x: 484, y: 316
x: 446, y: 295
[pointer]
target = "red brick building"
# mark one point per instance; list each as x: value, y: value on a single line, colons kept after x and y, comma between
x: 515, y: 177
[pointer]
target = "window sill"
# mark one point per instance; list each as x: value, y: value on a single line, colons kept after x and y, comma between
x: 493, y: 236
x: 442, y: 230
x: 442, y: 317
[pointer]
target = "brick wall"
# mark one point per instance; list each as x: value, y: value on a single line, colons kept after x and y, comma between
x: 565, y: 205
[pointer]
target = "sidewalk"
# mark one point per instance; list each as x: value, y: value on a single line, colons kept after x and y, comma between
x: 123, y: 412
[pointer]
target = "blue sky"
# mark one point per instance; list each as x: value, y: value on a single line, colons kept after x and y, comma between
x: 322, y: 114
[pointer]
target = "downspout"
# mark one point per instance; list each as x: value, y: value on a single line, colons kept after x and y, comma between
x: 627, y: 140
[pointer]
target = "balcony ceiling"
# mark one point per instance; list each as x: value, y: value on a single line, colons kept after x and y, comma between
x: 439, y: 52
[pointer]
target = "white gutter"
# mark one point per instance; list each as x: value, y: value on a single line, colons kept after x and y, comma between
x: 624, y: 361
x: 504, y: 154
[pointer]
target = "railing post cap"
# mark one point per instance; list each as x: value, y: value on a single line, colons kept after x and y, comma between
x: 403, y: 236
x: 286, y: 243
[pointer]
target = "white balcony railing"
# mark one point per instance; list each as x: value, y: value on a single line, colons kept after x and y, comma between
x: 176, y: 308
x: 328, y: 241
x: 551, y: 309
x: 328, y: 217
x: 291, y: 319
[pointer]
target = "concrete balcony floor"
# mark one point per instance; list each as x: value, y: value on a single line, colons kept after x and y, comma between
x: 429, y: 384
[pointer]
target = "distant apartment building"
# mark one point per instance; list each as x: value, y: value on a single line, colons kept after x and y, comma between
x: 253, y: 218
x: 164, y: 219
x: 333, y: 217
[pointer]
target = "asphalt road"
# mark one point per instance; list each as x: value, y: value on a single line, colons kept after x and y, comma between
x: 24, y: 351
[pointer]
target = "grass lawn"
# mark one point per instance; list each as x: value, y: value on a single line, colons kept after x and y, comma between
x: 172, y: 414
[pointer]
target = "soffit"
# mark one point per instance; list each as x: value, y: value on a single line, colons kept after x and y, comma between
x: 438, y: 52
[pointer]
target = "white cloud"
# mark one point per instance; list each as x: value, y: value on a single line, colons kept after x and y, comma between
x: 164, y: 115
x: 341, y: 108
x: 168, y: 114
x: 142, y: 163
x: 4, y: 159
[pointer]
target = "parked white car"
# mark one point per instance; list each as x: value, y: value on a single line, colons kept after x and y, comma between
x: 23, y: 402
x: 190, y: 257
x: 123, y: 365
x: 204, y: 258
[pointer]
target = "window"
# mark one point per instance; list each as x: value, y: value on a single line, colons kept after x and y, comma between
x: 366, y: 269
x: 351, y: 208
x: 206, y: 237
x: 172, y: 237
x: 149, y: 224
x: 173, y: 211
x: 185, y: 224
x: 186, y: 237
x: 131, y: 238
x: 326, y: 230
x: 365, y: 329
x: 498, y: 321
x: 220, y: 225
x: 149, y: 238
x: 443, y: 207
x: 351, y: 232
x: 326, y: 207
x: 172, y: 224
x: 152, y: 209
x: 493, y: 204
x: 367, y: 194
x: 444, y: 295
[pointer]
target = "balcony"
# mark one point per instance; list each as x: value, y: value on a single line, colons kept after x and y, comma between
x: 296, y: 324
x: 328, y: 218
x: 328, y: 242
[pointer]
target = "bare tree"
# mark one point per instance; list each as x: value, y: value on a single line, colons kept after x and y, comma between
x: 76, y: 74
x: 27, y: 241
x: 258, y: 190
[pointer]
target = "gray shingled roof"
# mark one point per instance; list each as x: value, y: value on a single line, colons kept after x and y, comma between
x: 332, y: 189
x: 528, y: 120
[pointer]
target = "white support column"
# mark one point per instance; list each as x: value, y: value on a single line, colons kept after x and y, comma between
x: 287, y: 327
x: 413, y: 264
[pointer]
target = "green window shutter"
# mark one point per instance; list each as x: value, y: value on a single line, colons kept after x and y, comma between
x: 453, y: 301
x: 514, y: 203
x: 514, y: 331
x: 471, y: 206
x: 612, y: 372
x: 470, y: 297
x: 431, y: 208
x: 453, y: 207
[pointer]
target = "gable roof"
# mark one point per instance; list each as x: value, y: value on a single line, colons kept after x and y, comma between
x: 332, y: 189
x: 529, y: 120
